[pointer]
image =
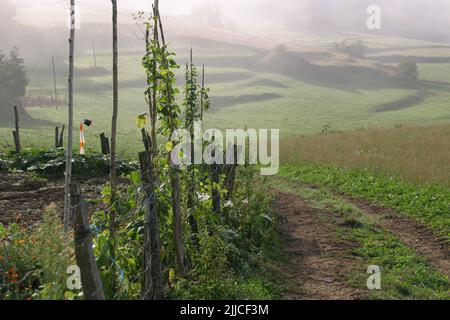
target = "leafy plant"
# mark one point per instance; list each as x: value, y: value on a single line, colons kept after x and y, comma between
x: 51, y: 162
x: 34, y: 266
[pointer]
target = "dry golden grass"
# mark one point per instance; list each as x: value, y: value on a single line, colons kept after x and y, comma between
x: 418, y: 154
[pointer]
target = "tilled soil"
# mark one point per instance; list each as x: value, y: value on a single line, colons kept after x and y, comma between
x: 24, y: 198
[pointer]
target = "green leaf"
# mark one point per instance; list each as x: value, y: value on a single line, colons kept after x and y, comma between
x: 169, y: 146
x: 135, y: 177
x: 141, y: 120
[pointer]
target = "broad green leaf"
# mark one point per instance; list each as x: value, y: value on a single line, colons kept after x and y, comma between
x: 141, y: 120
x: 169, y: 146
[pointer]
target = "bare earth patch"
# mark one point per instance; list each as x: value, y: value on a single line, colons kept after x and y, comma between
x: 23, y: 198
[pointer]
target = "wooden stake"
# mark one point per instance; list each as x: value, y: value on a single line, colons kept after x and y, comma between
x: 61, y: 137
x: 104, y: 144
x: 90, y: 278
x: 230, y: 170
x: 201, y: 95
x: 146, y: 140
x: 69, y: 149
x: 54, y: 82
x: 214, y: 173
x: 152, y: 288
x: 94, y: 53
x: 16, y: 134
x: 174, y: 176
x: 56, y: 137
x: 215, y: 193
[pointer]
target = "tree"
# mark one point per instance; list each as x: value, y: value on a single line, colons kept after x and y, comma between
x: 13, y: 77
x: 409, y: 70
x: 355, y: 48
x: 69, y: 149
x: 13, y: 84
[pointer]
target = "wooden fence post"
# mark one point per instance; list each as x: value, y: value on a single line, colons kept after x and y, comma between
x: 54, y: 83
x: 215, y: 172
x: 56, y: 137
x: 152, y: 288
x: 61, y: 137
x: 16, y: 134
x: 90, y: 278
x: 146, y: 139
x: 230, y: 172
x: 104, y: 144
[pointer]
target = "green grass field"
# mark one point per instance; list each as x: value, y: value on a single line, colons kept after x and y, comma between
x: 304, y: 103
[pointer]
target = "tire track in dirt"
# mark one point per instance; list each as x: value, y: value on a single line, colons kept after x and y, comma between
x: 415, y: 235
x: 318, y: 265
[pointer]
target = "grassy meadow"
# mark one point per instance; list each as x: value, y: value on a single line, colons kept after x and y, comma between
x: 420, y: 154
x: 299, y: 103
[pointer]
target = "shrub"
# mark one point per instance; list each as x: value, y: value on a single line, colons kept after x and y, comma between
x: 355, y: 48
x: 52, y: 163
x: 409, y: 70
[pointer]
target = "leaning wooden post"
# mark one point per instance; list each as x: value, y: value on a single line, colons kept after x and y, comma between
x: 61, y: 137
x: 16, y: 134
x: 152, y: 288
x: 56, y: 137
x: 90, y: 278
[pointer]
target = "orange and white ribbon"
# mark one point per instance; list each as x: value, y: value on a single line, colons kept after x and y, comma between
x: 82, y: 141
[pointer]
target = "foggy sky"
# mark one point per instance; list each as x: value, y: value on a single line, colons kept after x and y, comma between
x: 399, y: 16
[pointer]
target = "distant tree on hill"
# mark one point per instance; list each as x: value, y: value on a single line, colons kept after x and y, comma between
x: 355, y: 48
x: 210, y: 14
x: 13, y: 83
x: 409, y: 70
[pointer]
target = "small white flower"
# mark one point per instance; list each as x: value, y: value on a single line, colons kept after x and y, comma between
x: 245, y: 201
x: 203, y: 196
x: 228, y: 204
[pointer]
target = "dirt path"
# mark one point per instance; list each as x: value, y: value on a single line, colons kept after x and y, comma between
x: 318, y: 265
x: 410, y: 232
